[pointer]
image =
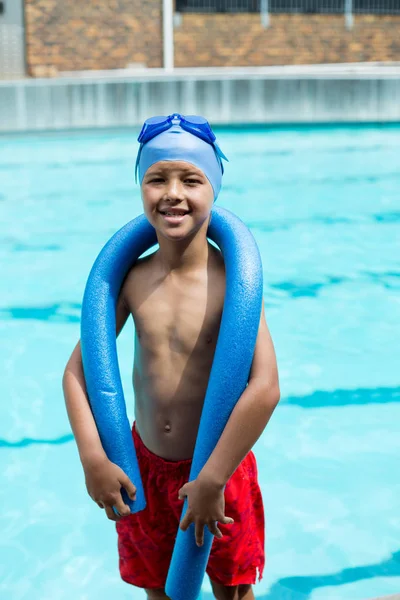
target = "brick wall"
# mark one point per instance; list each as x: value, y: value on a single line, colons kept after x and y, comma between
x: 67, y: 35
x: 240, y: 40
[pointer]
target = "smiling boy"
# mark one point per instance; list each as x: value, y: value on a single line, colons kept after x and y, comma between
x: 176, y: 297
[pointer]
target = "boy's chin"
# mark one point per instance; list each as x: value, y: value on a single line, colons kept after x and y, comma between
x: 178, y: 234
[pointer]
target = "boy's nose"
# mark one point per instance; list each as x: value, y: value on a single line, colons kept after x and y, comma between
x: 175, y: 190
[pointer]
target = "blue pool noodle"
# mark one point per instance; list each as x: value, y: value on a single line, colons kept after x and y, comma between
x: 228, y: 377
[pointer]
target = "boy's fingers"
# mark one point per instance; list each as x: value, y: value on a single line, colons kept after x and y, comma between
x: 122, y: 508
x: 226, y: 521
x: 111, y: 514
x: 199, y: 533
x: 212, y: 526
x: 182, y: 493
x: 128, y: 485
x: 187, y: 519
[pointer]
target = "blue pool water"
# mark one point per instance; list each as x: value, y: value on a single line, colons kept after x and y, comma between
x: 324, y: 206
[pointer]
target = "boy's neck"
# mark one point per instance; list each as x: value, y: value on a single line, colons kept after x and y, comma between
x: 184, y: 255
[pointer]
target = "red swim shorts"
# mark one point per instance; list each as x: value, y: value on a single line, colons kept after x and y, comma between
x: 146, y: 539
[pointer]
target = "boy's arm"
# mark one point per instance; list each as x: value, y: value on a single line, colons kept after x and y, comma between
x: 82, y: 422
x: 251, y: 413
x: 206, y: 505
x: 79, y: 413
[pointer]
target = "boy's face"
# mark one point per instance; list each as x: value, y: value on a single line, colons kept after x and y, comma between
x: 177, y: 198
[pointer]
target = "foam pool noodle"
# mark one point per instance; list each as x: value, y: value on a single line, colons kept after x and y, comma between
x: 228, y: 377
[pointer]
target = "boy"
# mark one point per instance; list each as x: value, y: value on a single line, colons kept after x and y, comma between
x: 175, y: 297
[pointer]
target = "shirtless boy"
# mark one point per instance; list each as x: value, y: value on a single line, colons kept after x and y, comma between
x: 175, y: 297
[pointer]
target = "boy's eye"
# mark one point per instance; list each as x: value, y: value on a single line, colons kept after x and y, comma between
x: 156, y: 179
x: 192, y: 181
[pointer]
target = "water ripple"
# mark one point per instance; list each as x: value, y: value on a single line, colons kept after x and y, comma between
x: 318, y: 399
x: 65, y: 312
x: 301, y: 587
x: 36, y: 248
x: 301, y: 290
x: 389, y: 279
x: 311, y: 289
x: 31, y: 441
x: 359, y: 396
x: 388, y: 217
x: 311, y: 179
x: 70, y: 312
x: 106, y: 162
x: 271, y: 226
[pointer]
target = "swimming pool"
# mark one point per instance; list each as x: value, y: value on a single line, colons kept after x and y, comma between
x: 324, y: 207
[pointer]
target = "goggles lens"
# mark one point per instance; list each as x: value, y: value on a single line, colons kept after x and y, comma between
x: 196, y: 120
x: 152, y: 127
x: 155, y: 120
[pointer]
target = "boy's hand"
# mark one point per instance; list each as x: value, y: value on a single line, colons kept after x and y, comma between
x: 104, y: 480
x: 206, y: 506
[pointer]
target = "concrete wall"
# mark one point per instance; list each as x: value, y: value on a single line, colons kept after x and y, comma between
x: 223, y: 97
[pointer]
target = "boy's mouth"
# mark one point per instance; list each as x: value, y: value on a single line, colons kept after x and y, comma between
x: 174, y: 216
x: 174, y: 213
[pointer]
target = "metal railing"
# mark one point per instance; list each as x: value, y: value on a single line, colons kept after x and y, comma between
x: 217, y: 6
x: 390, y: 7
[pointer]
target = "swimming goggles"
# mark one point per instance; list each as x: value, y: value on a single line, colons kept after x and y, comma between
x: 198, y: 126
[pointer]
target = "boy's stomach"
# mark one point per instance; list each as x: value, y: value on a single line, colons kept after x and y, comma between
x: 168, y: 422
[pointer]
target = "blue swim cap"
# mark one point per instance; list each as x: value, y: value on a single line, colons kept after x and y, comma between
x: 177, y: 144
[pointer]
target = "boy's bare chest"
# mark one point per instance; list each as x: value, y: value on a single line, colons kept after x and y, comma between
x: 183, y: 318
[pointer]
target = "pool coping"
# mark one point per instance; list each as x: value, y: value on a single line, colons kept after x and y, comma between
x: 318, y: 71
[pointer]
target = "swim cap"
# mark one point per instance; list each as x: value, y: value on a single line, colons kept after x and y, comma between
x: 177, y: 144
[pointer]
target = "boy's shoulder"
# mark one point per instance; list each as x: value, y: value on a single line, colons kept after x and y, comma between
x: 141, y: 267
x: 217, y: 260
x: 143, y: 264
x: 138, y: 276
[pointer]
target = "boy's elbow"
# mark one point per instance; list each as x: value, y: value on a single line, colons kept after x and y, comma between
x: 73, y: 368
x: 270, y: 393
x: 276, y: 395
x: 67, y: 371
x: 65, y: 377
